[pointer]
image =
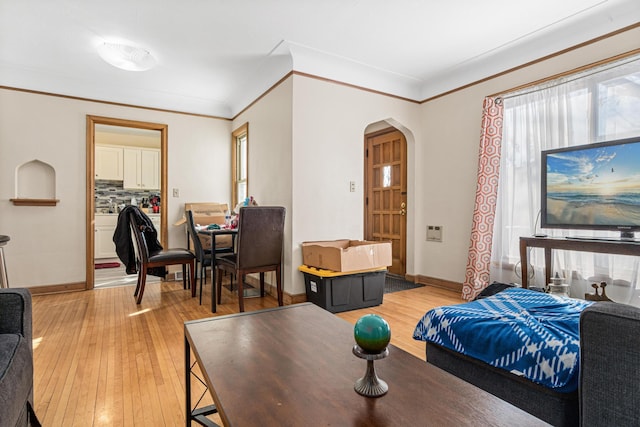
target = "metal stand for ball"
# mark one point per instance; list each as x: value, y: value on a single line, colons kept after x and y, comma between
x: 370, y: 385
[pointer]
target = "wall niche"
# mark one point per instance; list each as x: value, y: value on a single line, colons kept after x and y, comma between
x: 35, y: 184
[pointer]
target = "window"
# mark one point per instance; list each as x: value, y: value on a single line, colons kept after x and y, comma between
x: 597, y: 105
x: 239, y: 164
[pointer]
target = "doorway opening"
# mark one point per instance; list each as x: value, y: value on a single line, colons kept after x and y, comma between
x: 385, y: 186
x: 126, y: 164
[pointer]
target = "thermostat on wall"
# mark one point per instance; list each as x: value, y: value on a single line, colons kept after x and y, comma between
x: 434, y: 233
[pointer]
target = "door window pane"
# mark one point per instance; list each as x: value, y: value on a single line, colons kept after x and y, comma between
x: 386, y: 176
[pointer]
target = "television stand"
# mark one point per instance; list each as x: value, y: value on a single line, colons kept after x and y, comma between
x: 618, y: 247
x: 605, y: 239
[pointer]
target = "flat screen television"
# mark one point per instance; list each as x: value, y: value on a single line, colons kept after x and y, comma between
x: 592, y: 187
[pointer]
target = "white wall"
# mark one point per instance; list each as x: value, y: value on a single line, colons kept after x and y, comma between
x: 270, y: 160
x: 329, y: 123
x: 446, y: 177
x: 47, y: 244
x: 306, y: 143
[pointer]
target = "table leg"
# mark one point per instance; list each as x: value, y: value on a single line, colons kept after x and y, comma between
x: 213, y: 273
x: 524, y: 264
x: 187, y: 373
x: 547, y: 266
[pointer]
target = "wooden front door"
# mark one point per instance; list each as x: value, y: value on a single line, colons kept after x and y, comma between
x: 386, y: 193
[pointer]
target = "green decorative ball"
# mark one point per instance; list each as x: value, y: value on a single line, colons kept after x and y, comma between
x: 372, y: 333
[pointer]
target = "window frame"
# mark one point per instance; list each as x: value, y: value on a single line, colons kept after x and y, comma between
x: 505, y: 249
x: 236, y: 137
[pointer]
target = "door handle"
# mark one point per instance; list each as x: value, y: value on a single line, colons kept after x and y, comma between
x: 403, y: 211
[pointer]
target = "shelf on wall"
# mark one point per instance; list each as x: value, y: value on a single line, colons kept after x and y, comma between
x: 34, y: 202
x: 35, y: 184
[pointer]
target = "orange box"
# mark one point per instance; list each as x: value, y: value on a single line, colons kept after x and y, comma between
x: 346, y: 255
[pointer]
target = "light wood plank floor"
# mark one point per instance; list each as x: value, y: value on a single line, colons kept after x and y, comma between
x: 102, y: 360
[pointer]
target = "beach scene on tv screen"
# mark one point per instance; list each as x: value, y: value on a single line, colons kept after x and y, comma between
x: 594, y: 186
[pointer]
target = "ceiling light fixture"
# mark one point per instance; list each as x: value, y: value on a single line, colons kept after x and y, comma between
x: 126, y: 57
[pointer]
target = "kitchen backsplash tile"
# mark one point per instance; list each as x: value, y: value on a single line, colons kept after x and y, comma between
x: 108, y: 193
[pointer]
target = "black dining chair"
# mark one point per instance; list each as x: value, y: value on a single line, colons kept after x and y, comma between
x: 158, y: 258
x: 258, y: 249
x: 203, y: 256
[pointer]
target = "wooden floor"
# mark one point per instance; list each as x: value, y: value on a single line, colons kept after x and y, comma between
x: 102, y: 360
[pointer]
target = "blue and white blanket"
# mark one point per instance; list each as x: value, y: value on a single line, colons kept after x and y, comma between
x: 528, y: 333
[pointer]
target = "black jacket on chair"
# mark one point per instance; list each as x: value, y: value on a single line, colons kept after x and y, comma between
x: 124, y: 243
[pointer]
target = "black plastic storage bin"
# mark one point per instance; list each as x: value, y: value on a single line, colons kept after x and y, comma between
x: 343, y: 291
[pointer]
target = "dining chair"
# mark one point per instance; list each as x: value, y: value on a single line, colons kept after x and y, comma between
x: 258, y: 249
x: 158, y: 258
x: 203, y: 256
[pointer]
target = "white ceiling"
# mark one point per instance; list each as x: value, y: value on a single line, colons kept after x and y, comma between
x: 216, y: 56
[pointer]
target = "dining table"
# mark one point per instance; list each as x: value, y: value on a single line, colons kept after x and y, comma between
x: 213, y: 233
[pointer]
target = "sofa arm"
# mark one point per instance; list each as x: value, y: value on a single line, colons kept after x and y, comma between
x: 609, y: 365
x: 15, y: 312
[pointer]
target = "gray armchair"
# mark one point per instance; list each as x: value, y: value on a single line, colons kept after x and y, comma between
x: 16, y: 359
x: 609, y: 389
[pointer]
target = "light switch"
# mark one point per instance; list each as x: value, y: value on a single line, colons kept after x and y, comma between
x: 434, y: 233
x: 176, y: 192
x: 352, y: 186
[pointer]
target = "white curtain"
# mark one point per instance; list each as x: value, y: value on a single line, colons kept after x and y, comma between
x: 597, y: 105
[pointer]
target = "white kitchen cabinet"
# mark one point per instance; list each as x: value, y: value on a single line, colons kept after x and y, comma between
x: 155, y: 219
x: 132, y: 168
x: 150, y: 169
x: 109, y: 163
x: 105, y: 225
x: 141, y: 168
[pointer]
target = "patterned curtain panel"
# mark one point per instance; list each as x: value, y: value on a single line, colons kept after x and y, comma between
x: 479, y: 260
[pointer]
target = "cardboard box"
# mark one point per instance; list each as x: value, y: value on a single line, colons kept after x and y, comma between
x: 205, y: 214
x: 346, y: 255
x: 337, y: 292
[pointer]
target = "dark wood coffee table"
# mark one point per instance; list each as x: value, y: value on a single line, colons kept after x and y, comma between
x: 294, y: 366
